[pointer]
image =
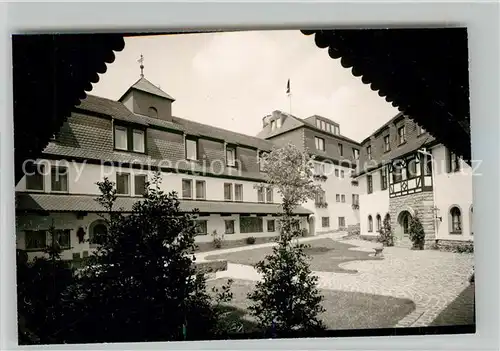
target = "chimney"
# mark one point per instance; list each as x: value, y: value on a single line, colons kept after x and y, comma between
x: 265, y: 120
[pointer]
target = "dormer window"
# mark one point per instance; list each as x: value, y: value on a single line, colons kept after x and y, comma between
x: 278, y: 123
x: 231, y: 156
x: 130, y: 139
x: 262, y: 161
x: 191, y: 149
x: 273, y: 124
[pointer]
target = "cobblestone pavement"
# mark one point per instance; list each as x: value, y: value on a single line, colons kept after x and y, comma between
x: 431, y: 279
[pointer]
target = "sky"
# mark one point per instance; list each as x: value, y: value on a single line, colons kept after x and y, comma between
x: 232, y: 80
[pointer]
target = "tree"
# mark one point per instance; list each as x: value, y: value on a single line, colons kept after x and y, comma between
x: 287, y: 299
x: 141, y: 284
x: 386, y: 236
x: 416, y: 233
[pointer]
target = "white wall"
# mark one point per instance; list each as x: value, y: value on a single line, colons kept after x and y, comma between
x: 82, y: 178
x: 452, y: 189
x: 372, y: 204
x: 333, y: 186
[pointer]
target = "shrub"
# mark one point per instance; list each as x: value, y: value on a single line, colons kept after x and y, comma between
x: 417, y: 234
x: 250, y: 240
x: 217, y: 239
x: 304, y: 232
x: 386, y: 236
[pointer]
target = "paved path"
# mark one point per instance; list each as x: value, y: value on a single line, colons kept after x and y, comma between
x: 432, y: 279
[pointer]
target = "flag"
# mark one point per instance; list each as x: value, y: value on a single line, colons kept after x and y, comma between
x: 288, y: 87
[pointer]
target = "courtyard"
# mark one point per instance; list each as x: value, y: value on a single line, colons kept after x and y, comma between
x: 404, y: 288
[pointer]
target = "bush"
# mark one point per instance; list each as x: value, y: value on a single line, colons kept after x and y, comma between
x: 250, y: 240
x: 417, y: 234
x: 386, y: 236
x: 217, y: 239
x: 304, y: 232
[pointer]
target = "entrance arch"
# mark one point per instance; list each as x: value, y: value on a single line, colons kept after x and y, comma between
x: 403, y: 223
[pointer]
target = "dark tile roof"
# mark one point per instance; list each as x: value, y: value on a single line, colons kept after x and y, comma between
x: 411, y: 146
x: 145, y: 85
x: 87, y: 203
x: 109, y: 108
x: 292, y: 122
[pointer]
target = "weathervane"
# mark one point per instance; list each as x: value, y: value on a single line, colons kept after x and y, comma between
x: 141, y: 61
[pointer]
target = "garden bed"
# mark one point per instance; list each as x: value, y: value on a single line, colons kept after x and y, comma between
x: 228, y: 244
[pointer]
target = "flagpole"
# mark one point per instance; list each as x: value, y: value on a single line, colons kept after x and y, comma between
x: 290, y: 101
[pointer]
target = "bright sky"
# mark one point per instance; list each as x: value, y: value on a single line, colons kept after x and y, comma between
x: 232, y: 80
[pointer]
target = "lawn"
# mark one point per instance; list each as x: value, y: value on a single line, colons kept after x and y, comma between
x: 326, y: 256
x: 344, y: 310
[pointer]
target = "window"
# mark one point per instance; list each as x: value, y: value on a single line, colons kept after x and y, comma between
x: 63, y: 238
x: 319, y: 168
x: 34, y: 177
x: 320, y: 143
x: 238, y: 192
x: 273, y: 124
x: 231, y: 156
x: 370, y: 224
x: 200, y: 189
x: 456, y: 221
x: 59, y: 179
x: 453, y: 162
x: 369, y: 182
x: 341, y: 149
x: 191, y: 149
x: 337, y: 197
x: 228, y: 191
x: 130, y: 139
x: 369, y: 152
x: 337, y: 173
x: 318, y: 124
x: 278, y: 123
x: 421, y: 130
x: 96, y: 232
x: 187, y: 188
x: 260, y: 194
x: 428, y: 165
x: 383, y: 178
x: 397, y: 173
x: 355, y: 153
x: 341, y: 222
x: 411, y: 167
x: 402, y: 135
x: 140, y: 184
x: 271, y: 227
x: 323, y: 125
x: 342, y: 198
x: 387, y: 145
x: 379, y: 223
x: 121, y: 138
x: 152, y: 112
x: 355, y: 199
x: 341, y: 174
x: 269, y: 195
x: 138, y: 140
x: 201, y: 227
x: 35, y: 239
x: 320, y: 197
x: 229, y: 226
x: 354, y: 183
x: 123, y: 184
x: 262, y: 161
x: 251, y: 225
x: 325, y: 222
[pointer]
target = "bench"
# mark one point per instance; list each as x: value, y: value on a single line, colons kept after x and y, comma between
x: 378, y: 251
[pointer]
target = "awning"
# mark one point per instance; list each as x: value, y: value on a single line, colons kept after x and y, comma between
x: 423, y: 72
x: 87, y: 203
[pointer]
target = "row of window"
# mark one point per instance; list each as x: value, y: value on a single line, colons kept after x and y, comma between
x: 35, y: 178
x: 264, y: 194
x: 320, y: 145
x: 320, y: 169
x: 325, y: 222
x: 39, y: 239
x: 327, y: 127
x: 321, y: 198
x: 276, y: 123
x: 247, y: 225
x: 379, y: 222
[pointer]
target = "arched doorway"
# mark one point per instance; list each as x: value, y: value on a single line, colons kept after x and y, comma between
x: 403, y: 228
x: 96, y: 229
x: 312, y: 228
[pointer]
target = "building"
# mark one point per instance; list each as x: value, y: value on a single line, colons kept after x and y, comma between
x: 404, y: 172
x: 211, y: 169
x: 335, y: 158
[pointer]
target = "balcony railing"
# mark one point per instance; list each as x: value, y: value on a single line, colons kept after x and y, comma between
x: 321, y: 204
x: 320, y: 177
x: 355, y: 206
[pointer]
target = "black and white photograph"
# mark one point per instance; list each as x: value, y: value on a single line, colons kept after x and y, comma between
x: 257, y: 184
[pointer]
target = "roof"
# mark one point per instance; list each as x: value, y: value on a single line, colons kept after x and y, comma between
x: 117, y: 110
x: 145, y: 85
x: 292, y: 122
x: 88, y: 203
x: 45, y: 90
x: 411, y: 146
x: 381, y: 128
x: 423, y: 72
